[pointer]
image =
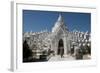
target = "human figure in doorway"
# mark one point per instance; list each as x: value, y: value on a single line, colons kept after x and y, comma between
x: 62, y: 52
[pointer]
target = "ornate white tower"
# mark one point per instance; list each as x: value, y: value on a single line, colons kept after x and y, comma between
x: 59, y: 34
x: 59, y: 24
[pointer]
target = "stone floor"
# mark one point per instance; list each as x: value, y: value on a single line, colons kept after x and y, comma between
x: 58, y: 58
x: 66, y: 58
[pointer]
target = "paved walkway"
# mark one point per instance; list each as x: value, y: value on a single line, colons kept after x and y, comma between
x: 58, y: 58
x: 67, y: 58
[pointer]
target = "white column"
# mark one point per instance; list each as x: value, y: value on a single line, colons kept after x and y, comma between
x: 56, y: 46
x: 65, y: 44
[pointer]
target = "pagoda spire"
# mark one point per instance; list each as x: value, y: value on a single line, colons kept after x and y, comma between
x: 60, y: 18
x: 59, y: 23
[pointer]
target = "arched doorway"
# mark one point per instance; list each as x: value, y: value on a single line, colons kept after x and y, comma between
x: 60, y: 47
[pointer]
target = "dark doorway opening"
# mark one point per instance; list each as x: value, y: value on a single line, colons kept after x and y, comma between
x: 60, y: 47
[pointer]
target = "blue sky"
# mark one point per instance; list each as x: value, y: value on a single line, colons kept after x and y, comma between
x: 40, y: 20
